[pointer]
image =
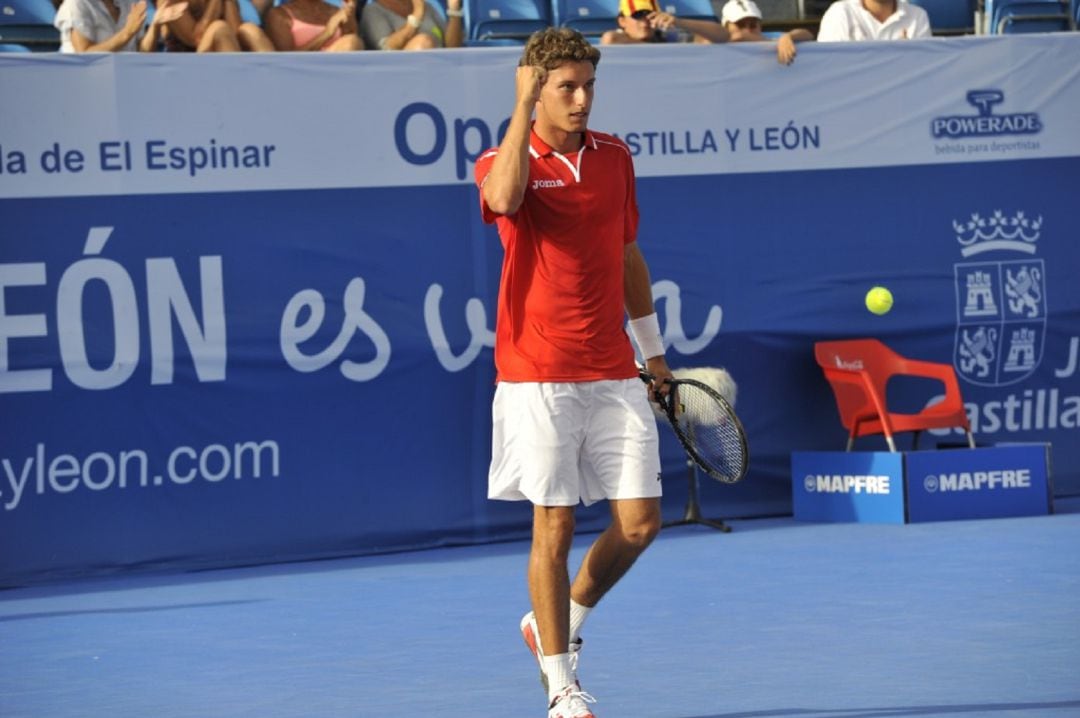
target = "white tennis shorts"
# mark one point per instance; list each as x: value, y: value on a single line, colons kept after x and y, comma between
x: 557, y: 443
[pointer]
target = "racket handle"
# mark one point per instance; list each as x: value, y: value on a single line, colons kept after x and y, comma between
x: 661, y: 399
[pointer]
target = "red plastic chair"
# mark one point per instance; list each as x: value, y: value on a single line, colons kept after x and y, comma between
x: 859, y: 370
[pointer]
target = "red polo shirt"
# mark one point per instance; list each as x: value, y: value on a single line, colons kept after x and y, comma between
x: 561, y: 304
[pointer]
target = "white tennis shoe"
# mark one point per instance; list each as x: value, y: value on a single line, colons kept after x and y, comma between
x: 571, y: 703
x: 531, y: 633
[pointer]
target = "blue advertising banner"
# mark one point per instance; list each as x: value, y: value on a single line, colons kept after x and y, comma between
x: 233, y: 332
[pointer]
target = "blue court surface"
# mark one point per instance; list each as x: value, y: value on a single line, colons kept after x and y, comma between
x: 777, y: 618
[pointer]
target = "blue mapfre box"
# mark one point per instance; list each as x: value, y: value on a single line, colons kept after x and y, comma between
x: 863, y: 486
x: 987, y: 483
x: 914, y: 486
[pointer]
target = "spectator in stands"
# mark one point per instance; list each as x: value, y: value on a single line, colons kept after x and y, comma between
x: 214, y: 26
x: 742, y: 20
x: 411, y: 25
x: 873, y: 20
x: 643, y: 21
x: 314, y: 25
x: 111, y: 25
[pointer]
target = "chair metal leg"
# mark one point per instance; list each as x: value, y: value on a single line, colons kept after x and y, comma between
x: 692, y: 514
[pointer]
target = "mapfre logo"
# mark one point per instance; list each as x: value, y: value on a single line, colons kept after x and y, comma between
x: 1000, y: 306
x: 547, y: 184
x: 978, y: 481
x: 985, y: 123
x: 846, y: 484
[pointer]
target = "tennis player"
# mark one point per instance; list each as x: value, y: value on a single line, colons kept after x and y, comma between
x: 571, y: 418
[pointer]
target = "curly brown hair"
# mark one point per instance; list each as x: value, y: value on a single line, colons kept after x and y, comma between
x: 553, y: 46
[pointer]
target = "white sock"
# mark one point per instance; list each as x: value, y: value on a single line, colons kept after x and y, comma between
x: 557, y: 669
x: 578, y: 614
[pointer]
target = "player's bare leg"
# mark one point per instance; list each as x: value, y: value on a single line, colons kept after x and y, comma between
x: 549, y: 579
x: 634, y: 525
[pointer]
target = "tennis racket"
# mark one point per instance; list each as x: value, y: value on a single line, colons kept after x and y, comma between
x: 707, y: 427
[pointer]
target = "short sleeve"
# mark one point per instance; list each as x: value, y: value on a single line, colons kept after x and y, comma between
x: 375, y: 25
x: 833, y: 26
x: 480, y: 173
x: 80, y: 17
x: 631, y: 214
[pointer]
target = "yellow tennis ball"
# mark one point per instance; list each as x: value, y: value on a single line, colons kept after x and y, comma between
x: 879, y: 300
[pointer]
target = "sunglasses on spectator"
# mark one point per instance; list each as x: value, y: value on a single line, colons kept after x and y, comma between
x: 641, y: 14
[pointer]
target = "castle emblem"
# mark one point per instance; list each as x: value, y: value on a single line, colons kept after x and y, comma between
x: 1000, y: 305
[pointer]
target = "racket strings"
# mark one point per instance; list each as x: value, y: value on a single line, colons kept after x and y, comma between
x: 714, y: 434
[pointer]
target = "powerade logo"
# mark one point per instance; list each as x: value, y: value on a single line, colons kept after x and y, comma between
x: 986, y: 123
x: 846, y: 484
x: 978, y: 481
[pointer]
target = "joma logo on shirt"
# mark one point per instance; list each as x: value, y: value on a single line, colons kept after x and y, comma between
x: 544, y: 184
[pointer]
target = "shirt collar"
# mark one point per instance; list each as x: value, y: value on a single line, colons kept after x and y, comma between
x: 542, y: 149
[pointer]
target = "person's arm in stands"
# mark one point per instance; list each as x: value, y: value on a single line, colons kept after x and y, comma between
x: 703, y: 30
x: 615, y: 37
x: 785, y: 46
x: 350, y: 26
x: 278, y: 29
x: 132, y: 27
x: 397, y: 39
x: 230, y: 13
x: 167, y: 11
x: 455, y: 24
x: 189, y: 30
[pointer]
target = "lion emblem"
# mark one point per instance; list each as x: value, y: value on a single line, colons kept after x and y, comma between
x: 977, y: 351
x: 1024, y: 290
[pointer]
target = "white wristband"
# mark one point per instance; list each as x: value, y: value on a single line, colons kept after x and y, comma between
x: 455, y: 13
x: 646, y: 333
x: 413, y: 21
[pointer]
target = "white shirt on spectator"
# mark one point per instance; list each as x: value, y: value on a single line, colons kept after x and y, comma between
x: 849, y: 20
x: 91, y: 19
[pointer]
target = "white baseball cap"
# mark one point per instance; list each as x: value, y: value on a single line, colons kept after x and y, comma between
x: 735, y: 10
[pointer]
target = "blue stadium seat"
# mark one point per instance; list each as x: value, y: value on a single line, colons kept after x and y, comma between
x: 13, y: 47
x: 695, y: 9
x: 28, y: 23
x: 248, y: 13
x: 26, y: 12
x: 591, y: 18
x: 492, y: 22
x: 949, y: 17
x: 771, y: 10
x: 1022, y: 16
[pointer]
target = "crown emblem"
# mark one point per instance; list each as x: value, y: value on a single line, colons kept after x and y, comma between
x: 998, y: 232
